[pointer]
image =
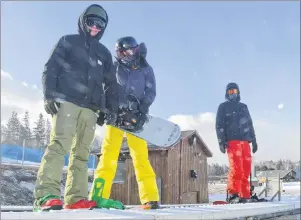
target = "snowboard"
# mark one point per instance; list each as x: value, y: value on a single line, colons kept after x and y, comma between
x: 157, y: 131
x: 222, y: 202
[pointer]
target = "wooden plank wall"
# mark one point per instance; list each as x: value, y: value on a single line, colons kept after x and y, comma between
x: 128, y: 191
x: 193, y: 159
x: 172, y: 189
x: 174, y: 171
x: 118, y: 192
x: 203, y: 176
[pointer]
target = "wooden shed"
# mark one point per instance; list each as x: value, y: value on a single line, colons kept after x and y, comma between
x: 181, y: 172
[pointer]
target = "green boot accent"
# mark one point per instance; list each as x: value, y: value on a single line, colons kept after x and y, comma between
x: 109, y: 203
x: 96, y: 195
x: 38, y: 203
x: 97, y: 189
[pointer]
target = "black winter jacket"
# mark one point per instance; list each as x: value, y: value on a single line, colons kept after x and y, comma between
x: 140, y: 83
x: 233, y: 122
x: 79, y: 68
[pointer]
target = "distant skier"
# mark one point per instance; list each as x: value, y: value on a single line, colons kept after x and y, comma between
x: 73, y: 80
x: 135, y: 79
x: 234, y: 129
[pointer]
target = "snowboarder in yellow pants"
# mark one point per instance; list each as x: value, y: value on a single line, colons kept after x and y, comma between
x: 136, y: 78
x: 106, y: 169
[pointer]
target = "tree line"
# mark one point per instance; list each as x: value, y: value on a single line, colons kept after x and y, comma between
x: 222, y: 170
x: 17, y: 130
x: 276, y: 165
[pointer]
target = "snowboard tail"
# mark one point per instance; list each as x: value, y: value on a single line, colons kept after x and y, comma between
x: 220, y: 202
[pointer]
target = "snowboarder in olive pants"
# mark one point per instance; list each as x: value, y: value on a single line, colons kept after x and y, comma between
x: 73, y: 80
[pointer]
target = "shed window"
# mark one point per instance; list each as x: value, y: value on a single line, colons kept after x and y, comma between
x: 120, y: 172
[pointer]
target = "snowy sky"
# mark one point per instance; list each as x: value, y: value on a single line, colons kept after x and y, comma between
x: 195, y: 48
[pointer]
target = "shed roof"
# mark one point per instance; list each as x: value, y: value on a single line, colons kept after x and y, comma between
x: 184, y: 134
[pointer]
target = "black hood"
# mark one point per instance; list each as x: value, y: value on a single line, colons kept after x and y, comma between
x: 232, y: 85
x: 93, y: 9
x: 143, y: 53
x: 142, y: 50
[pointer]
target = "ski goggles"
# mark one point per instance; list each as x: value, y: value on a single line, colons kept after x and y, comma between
x: 130, y: 51
x: 98, y: 23
x: 232, y: 91
x: 129, y: 54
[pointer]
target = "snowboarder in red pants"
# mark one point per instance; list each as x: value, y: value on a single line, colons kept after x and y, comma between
x: 234, y: 129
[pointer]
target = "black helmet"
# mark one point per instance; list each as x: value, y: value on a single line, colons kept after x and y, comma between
x: 232, y: 85
x: 127, y: 50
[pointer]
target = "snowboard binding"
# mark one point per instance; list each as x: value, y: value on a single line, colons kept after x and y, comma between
x: 129, y: 117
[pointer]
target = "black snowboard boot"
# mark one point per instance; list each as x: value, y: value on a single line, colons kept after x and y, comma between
x: 255, y: 198
x: 244, y: 200
x: 151, y: 205
x: 233, y: 199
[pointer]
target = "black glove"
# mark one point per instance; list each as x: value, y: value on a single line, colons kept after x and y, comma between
x: 51, y: 106
x: 254, y: 146
x: 101, y: 119
x: 133, y: 106
x: 133, y: 121
x: 111, y: 118
x: 143, y: 108
x: 223, y: 146
x: 141, y: 121
x: 129, y: 116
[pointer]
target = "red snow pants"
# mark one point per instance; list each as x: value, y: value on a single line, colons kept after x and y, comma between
x: 239, y: 155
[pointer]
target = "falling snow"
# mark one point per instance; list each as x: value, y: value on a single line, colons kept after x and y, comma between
x: 280, y: 106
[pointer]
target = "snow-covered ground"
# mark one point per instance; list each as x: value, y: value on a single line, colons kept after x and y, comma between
x: 6, y: 160
x: 291, y: 191
x: 235, y: 211
x: 17, y: 185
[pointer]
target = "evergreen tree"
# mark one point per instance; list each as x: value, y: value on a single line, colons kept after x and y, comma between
x: 3, y: 133
x: 22, y: 135
x: 48, y: 131
x: 26, y: 126
x: 12, y: 131
x: 280, y: 165
x: 39, y: 131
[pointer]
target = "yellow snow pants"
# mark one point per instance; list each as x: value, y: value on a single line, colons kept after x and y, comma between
x: 106, y: 168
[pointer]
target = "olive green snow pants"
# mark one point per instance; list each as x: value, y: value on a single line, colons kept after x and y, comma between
x: 73, y: 127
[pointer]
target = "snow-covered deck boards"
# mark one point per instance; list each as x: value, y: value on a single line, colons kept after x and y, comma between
x: 169, y: 212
